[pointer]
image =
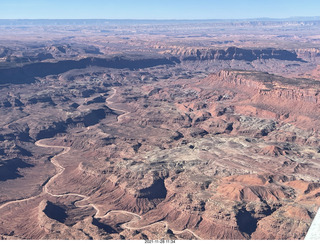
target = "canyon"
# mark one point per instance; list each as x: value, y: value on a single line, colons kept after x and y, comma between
x: 177, y: 130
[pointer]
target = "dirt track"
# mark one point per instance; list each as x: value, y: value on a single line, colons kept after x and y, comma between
x: 60, y: 169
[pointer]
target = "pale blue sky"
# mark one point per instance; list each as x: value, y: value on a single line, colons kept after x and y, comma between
x: 156, y: 9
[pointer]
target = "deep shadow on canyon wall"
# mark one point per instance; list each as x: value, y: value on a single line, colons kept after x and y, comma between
x: 28, y: 72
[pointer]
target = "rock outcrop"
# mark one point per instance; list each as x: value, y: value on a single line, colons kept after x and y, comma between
x: 235, y: 53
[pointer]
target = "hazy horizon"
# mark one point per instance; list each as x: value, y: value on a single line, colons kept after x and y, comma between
x: 294, y: 18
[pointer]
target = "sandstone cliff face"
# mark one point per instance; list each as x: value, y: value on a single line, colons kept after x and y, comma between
x: 234, y: 53
x: 311, y: 54
x: 240, y: 79
x: 294, y: 96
